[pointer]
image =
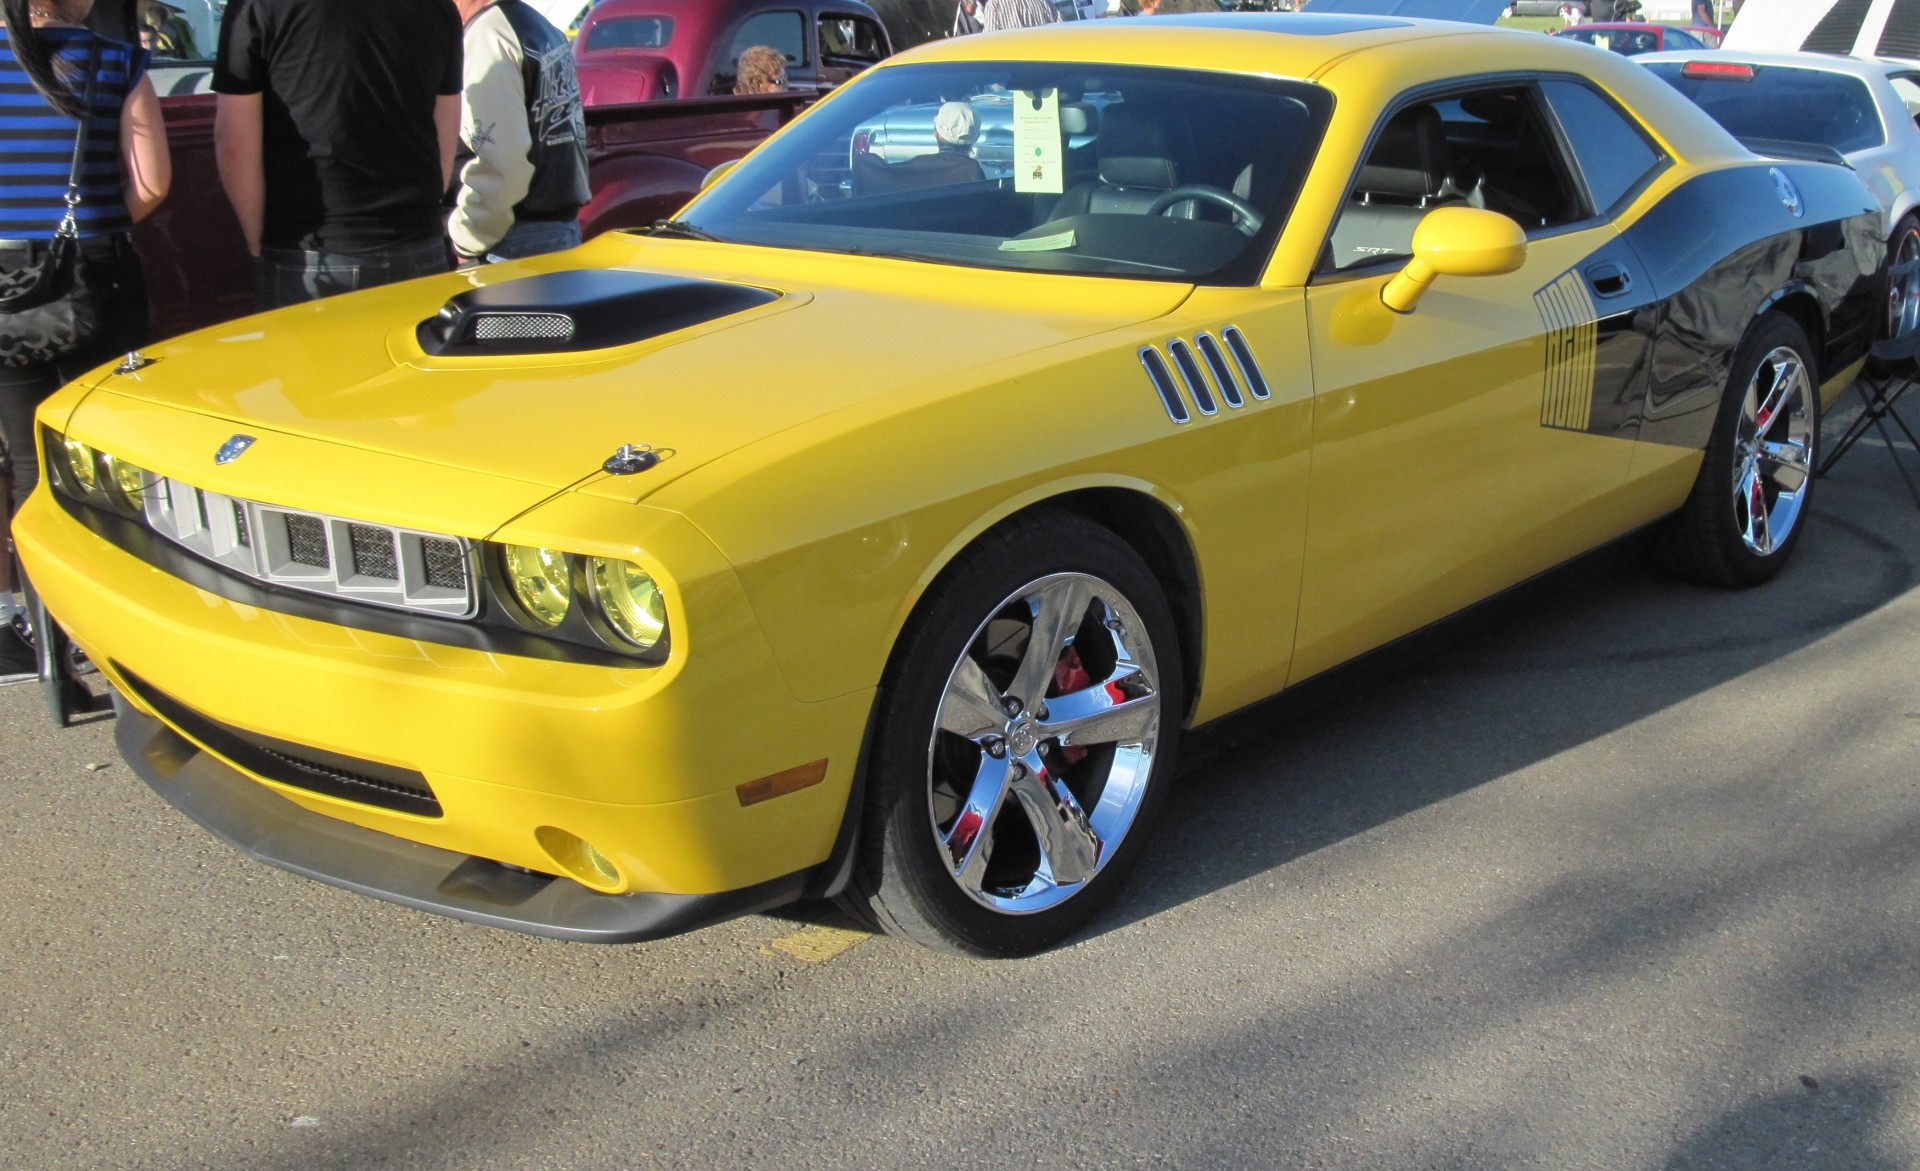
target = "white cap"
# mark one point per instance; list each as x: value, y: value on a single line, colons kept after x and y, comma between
x: 956, y: 123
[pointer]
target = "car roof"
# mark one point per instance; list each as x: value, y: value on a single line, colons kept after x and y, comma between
x: 1281, y: 44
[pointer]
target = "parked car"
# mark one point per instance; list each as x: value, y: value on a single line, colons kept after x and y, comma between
x: 1864, y: 110
x: 1630, y: 39
x: 886, y: 546
x: 647, y: 50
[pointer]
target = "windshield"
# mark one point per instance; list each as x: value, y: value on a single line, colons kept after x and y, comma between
x: 1796, y: 105
x: 1038, y: 166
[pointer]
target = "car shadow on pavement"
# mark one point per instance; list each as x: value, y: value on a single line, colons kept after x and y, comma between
x: 1560, y: 662
x: 1817, y: 1125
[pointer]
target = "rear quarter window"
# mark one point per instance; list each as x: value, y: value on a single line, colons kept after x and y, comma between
x: 1798, y: 105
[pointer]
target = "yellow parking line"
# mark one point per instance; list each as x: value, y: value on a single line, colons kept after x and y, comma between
x: 815, y: 944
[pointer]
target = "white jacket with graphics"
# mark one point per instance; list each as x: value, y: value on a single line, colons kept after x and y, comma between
x: 523, y: 148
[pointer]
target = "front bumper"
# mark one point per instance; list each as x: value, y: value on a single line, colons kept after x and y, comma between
x: 273, y: 830
x: 645, y: 764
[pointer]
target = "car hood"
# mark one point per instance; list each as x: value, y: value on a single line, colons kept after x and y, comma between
x: 823, y: 333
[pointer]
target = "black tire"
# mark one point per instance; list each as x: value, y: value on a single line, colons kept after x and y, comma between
x: 1718, y: 538
x: 981, y: 613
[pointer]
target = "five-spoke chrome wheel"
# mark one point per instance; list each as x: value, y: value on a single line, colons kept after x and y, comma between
x: 1044, y: 740
x: 1773, y: 451
x: 1023, y: 740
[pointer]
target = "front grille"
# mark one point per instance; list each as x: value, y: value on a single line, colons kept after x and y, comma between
x: 297, y: 766
x: 373, y: 553
x: 445, y: 563
x: 309, y: 551
x: 307, y: 541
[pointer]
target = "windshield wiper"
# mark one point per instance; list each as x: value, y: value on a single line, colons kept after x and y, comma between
x: 682, y: 230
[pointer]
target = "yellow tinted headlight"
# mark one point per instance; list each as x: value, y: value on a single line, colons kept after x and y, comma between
x: 128, y: 480
x: 629, y: 600
x: 80, y: 464
x: 540, y: 582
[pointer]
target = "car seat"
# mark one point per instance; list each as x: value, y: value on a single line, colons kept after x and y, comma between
x: 1139, y: 158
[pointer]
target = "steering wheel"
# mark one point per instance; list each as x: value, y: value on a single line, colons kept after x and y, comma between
x: 1246, y: 217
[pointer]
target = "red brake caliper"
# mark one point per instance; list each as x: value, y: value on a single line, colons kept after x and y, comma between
x: 1070, y: 675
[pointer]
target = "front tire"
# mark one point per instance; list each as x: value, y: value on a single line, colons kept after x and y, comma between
x: 1024, y: 742
x: 1746, y: 511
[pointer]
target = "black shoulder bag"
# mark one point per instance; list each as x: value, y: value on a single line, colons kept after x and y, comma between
x: 49, y: 309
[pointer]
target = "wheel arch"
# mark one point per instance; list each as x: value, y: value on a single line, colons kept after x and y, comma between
x: 1144, y: 515
x: 1799, y: 301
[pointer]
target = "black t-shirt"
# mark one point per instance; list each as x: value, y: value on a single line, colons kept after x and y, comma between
x: 352, y: 157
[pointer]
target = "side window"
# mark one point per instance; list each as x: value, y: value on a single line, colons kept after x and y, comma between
x: 1489, y: 148
x: 848, y: 44
x: 784, y: 32
x: 1613, y: 155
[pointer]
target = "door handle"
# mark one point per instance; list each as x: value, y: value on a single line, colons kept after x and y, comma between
x: 1609, y: 280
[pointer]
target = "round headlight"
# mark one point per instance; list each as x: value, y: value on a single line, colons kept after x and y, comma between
x: 129, y: 481
x: 629, y: 600
x: 80, y: 465
x: 540, y: 582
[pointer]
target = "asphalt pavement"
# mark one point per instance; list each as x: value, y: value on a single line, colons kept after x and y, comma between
x: 1629, y: 878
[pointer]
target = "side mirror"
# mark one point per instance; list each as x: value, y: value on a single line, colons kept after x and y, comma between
x: 713, y: 176
x: 1456, y: 241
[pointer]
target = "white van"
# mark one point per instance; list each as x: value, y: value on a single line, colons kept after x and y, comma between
x: 1879, y: 28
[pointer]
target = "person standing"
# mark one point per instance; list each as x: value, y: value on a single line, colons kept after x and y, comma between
x: 334, y: 130
x: 966, y: 19
x: 124, y: 175
x: 1006, y: 14
x: 523, y: 138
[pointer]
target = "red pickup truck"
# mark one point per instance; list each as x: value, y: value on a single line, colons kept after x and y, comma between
x: 646, y: 160
x: 647, y: 50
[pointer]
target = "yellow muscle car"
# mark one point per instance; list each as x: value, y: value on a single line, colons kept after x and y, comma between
x: 875, y: 528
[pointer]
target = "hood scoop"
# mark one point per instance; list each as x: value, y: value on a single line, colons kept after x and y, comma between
x: 584, y: 309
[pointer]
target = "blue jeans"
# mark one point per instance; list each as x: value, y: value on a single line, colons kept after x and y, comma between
x: 535, y: 237
x: 290, y: 276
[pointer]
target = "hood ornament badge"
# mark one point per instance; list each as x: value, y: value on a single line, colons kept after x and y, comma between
x: 631, y: 459
x: 233, y: 449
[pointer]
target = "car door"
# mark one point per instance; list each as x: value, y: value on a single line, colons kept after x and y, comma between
x: 1473, y: 442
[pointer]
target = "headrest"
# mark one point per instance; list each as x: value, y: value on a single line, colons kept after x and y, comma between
x: 1136, y: 150
x: 1078, y: 118
x: 1411, y: 158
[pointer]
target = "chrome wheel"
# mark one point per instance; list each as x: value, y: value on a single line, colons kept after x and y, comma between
x: 1903, y: 280
x: 1044, y: 741
x: 1773, y: 451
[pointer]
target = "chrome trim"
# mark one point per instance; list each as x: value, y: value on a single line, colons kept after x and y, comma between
x: 1243, y: 358
x: 1162, y: 380
x: 272, y: 544
x: 1191, y: 377
x: 1222, y: 373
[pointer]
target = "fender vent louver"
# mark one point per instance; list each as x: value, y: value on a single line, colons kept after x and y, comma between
x: 1230, y: 375
x: 566, y: 312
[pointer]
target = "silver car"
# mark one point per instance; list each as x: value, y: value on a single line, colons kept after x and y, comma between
x: 1790, y: 103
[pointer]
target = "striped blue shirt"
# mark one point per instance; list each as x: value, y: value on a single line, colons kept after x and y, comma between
x: 36, y: 141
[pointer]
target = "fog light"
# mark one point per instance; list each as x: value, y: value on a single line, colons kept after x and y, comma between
x: 588, y: 866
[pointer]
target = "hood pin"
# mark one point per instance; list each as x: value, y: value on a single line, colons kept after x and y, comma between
x: 631, y: 459
x: 134, y: 362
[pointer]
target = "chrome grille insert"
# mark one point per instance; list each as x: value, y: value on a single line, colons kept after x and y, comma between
x: 349, y: 559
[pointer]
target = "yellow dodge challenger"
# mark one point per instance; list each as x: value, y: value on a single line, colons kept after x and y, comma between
x: 875, y: 528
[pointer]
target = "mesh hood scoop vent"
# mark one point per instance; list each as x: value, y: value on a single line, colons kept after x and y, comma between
x: 569, y: 312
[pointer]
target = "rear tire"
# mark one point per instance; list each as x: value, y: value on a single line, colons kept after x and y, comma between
x: 1013, y: 781
x: 1747, y: 508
